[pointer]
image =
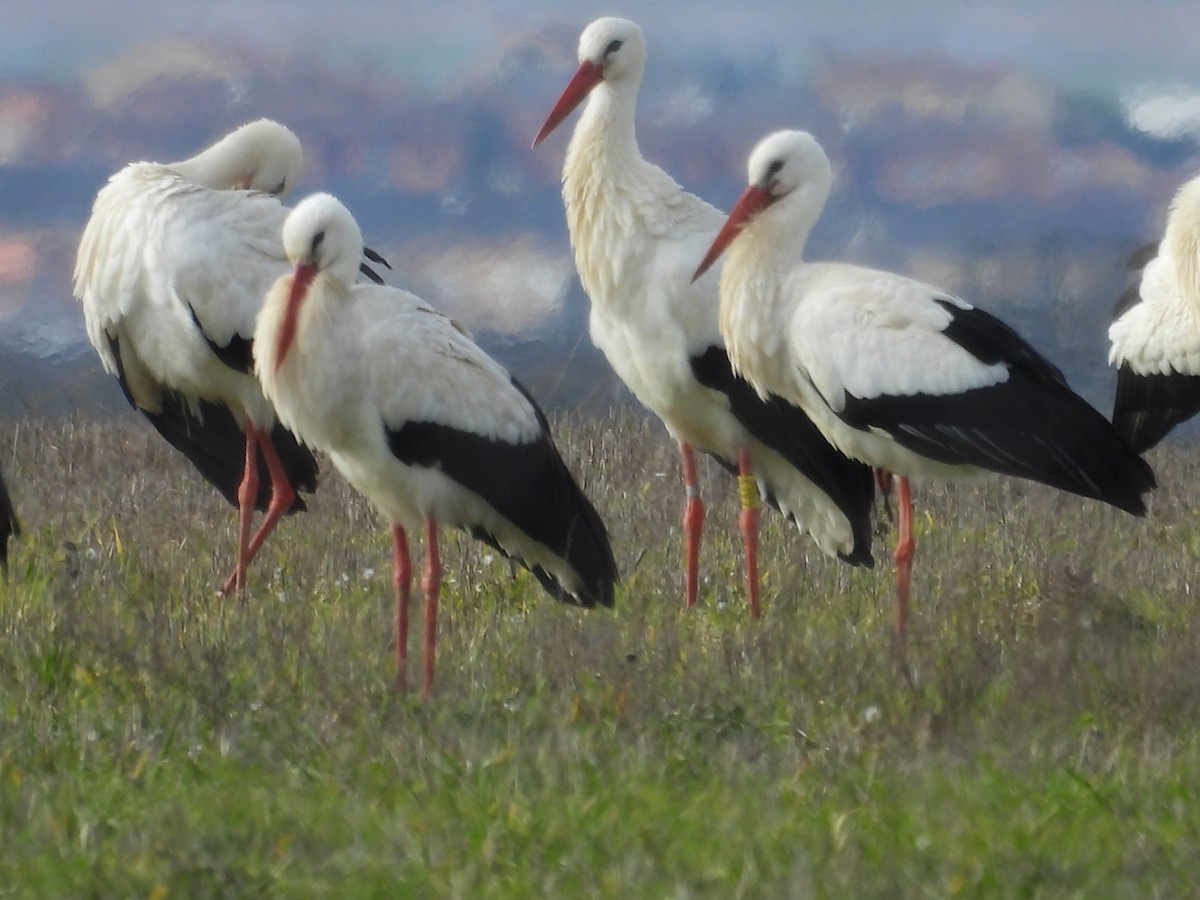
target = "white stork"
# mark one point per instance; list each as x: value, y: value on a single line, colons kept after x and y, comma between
x: 10, y: 526
x: 171, y: 271
x: 1155, y: 336
x: 636, y: 235
x: 419, y: 419
x: 897, y: 373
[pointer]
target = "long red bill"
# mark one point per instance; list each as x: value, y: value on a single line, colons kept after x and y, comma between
x: 586, y: 77
x: 753, y: 201
x: 301, y: 279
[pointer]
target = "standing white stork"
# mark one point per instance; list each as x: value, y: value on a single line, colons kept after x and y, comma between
x: 636, y: 234
x: 420, y: 420
x: 10, y: 526
x: 1155, y: 335
x: 171, y: 271
x: 895, y: 372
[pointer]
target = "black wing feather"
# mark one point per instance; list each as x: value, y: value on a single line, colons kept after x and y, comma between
x: 1147, y: 407
x: 1141, y: 257
x: 531, y: 487
x: 10, y: 526
x: 1132, y: 295
x: 789, y: 431
x: 238, y: 354
x: 376, y: 258
x: 1031, y: 426
x: 214, y: 443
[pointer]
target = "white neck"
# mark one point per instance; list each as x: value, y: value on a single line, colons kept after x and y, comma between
x: 751, y: 279
x: 608, y: 119
x: 1182, y: 238
x: 608, y: 187
x: 252, y: 153
x: 785, y: 225
x: 219, y: 167
x: 753, y: 301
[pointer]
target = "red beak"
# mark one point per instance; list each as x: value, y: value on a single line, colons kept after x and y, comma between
x: 753, y: 201
x: 301, y: 279
x: 586, y: 77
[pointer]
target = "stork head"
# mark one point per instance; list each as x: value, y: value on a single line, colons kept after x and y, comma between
x: 782, y: 164
x: 260, y: 156
x: 320, y: 237
x: 611, y: 50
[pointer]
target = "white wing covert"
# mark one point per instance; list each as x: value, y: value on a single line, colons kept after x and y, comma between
x: 880, y: 335
x: 411, y: 380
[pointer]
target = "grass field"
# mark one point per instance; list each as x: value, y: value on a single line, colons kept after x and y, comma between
x: 1040, y: 737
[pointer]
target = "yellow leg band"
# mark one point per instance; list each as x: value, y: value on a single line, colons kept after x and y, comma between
x: 748, y: 491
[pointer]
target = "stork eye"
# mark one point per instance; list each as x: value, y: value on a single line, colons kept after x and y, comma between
x: 318, y: 240
x: 280, y: 188
x: 613, y: 46
x: 774, y: 169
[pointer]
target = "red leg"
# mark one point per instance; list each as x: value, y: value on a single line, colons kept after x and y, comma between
x: 693, y: 526
x: 401, y: 581
x: 748, y: 523
x: 282, y: 497
x: 431, y: 583
x: 903, y: 557
x: 247, y: 494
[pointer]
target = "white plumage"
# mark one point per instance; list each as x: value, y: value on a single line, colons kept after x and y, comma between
x: 636, y: 235
x: 895, y: 372
x: 420, y: 420
x: 1155, y: 337
x: 171, y: 270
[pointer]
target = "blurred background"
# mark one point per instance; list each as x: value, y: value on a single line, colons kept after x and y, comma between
x: 1013, y: 152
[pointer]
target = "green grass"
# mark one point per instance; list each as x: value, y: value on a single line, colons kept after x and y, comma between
x: 1038, y: 739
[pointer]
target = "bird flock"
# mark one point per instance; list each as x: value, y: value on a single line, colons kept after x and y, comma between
x: 253, y: 337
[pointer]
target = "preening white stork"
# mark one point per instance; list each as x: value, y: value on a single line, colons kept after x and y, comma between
x: 171, y: 271
x: 10, y: 526
x: 898, y: 373
x: 419, y: 419
x: 636, y: 235
x: 1155, y: 335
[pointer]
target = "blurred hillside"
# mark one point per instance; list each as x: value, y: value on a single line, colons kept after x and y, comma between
x: 1019, y: 195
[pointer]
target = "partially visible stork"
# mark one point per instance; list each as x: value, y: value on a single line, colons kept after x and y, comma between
x: 10, y: 526
x: 431, y: 429
x: 1155, y: 334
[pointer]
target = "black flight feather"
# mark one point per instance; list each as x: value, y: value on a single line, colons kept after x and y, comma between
x: 214, y: 443
x: 376, y: 258
x: 531, y: 487
x: 789, y: 431
x: 10, y: 526
x: 238, y: 354
x: 1147, y: 407
x: 1031, y: 425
